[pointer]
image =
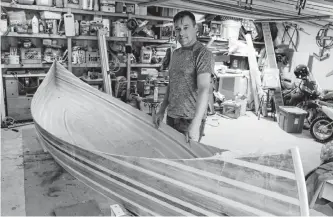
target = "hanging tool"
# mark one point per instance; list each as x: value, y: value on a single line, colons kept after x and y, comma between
x: 300, y: 6
x: 287, y: 27
x: 104, y: 60
x: 324, y: 41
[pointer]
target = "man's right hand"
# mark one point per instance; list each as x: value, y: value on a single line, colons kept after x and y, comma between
x: 158, y: 118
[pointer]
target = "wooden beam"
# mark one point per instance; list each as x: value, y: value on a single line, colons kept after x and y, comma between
x: 293, y: 19
x: 254, y: 72
x: 3, y: 108
x: 153, y: 2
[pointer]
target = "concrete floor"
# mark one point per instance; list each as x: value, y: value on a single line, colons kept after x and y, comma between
x: 33, y: 184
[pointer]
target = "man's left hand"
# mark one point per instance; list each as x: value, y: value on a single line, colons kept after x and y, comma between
x: 194, y: 131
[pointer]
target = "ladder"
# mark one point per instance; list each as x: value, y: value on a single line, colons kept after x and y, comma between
x: 271, y: 76
x: 104, y: 60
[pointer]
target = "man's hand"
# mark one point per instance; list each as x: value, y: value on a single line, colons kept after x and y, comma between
x: 194, y: 131
x: 158, y: 118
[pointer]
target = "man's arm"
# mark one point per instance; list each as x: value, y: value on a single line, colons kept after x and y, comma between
x: 165, y: 102
x: 205, y: 68
x: 203, y: 96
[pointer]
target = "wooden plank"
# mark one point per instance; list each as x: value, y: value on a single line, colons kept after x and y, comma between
x: 153, y: 3
x: 39, y: 35
x: 303, y: 196
x: 3, y: 108
x: 254, y: 72
x: 25, y: 75
x: 323, y: 17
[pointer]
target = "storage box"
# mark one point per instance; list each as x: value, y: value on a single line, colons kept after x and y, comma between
x: 231, y: 109
x: 291, y: 119
x: 31, y: 55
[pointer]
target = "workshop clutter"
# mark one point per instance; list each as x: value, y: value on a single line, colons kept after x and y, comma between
x: 27, y: 53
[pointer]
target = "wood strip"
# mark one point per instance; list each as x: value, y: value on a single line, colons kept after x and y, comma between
x: 153, y: 3
x: 114, y: 166
x: 260, y: 168
x: 217, y: 187
x: 141, y: 176
x: 235, y: 183
x: 125, y: 182
x: 303, y: 196
x: 142, y: 211
x: 282, y: 185
x: 254, y: 72
x: 194, y: 189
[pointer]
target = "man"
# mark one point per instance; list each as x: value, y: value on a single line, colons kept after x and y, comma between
x: 190, y: 76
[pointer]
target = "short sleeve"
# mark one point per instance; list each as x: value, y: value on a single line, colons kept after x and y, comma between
x: 205, y: 62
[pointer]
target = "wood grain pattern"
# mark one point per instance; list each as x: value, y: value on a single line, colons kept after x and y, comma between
x: 115, y: 149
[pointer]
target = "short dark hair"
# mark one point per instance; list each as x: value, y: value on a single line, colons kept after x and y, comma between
x: 183, y: 14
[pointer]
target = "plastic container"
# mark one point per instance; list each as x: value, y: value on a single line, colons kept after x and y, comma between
x: 35, y: 25
x: 230, y: 29
x: 291, y: 119
x: 146, y: 54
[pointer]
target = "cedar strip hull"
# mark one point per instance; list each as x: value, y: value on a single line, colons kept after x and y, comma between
x: 175, y: 179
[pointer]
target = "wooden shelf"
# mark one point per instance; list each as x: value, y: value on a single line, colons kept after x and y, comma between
x: 41, y: 35
x: 139, y: 65
x: 24, y: 75
x: 27, y: 66
x: 93, y: 65
x: 145, y: 65
x: 143, y: 39
x: 79, y: 11
x: 92, y: 37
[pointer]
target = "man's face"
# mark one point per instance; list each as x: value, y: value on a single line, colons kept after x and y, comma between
x: 186, y: 31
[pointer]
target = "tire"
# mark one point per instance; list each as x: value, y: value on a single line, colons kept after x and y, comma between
x: 311, y: 114
x: 319, y: 122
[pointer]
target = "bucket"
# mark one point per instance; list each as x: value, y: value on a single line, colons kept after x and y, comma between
x: 230, y: 29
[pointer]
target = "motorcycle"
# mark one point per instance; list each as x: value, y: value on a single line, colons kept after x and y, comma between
x: 321, y: 128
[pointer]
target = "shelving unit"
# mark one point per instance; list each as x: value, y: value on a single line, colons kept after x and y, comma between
x: 78, y: 11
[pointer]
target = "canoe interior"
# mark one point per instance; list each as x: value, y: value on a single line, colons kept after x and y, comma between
x: 218, y: 185
x: 115, y: 149
x: 77, y: 113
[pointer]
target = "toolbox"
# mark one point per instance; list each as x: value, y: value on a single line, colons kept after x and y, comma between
x: 291, y: 119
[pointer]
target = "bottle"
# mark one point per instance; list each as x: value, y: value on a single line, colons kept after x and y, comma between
x: 35, y: 25
x: 77, y: 27
x: 155, y: 93
x: 41, y: 26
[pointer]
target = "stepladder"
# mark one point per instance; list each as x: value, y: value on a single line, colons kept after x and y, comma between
x: 271, y: 78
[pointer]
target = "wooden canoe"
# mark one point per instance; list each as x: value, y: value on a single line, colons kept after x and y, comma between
x: 116, y: 150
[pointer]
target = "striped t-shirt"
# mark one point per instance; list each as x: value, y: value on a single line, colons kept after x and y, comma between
x: 186, y: 64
